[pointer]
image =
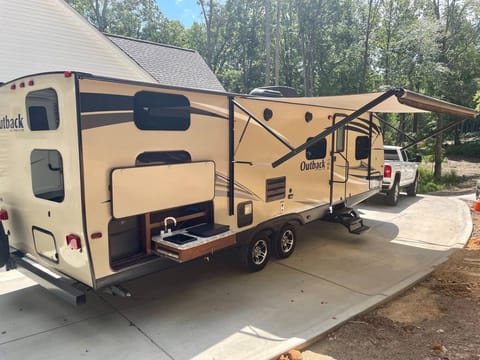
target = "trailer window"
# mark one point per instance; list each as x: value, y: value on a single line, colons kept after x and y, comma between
x: 317, y: 151
x: 159, y: 111
x: 340, y: 139
x: 42, y: 110
x: 362, y: 147
x: 47, y: 175
x: 162, y: 157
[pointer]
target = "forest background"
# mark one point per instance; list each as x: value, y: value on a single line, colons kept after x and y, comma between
x: 329, y: 47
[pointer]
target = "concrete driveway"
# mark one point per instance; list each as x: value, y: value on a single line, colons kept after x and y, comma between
x: 216, y: 311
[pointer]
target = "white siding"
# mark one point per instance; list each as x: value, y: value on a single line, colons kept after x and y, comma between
x: 48, y: 35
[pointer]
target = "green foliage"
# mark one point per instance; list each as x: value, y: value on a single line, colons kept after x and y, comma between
x: 428, y: 183
x: 471, y: 149
x: 323, y: 47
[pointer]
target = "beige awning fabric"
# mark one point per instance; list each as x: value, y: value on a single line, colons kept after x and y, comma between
x: 411, y: 99
x: 404, y: 101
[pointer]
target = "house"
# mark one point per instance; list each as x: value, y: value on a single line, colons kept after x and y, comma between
x: 48, y: 35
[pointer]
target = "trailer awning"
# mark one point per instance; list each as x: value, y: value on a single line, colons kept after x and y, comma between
x: 404, y: 101
x: 394, y: 100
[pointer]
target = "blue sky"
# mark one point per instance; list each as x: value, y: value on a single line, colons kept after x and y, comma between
x: 185, y: 11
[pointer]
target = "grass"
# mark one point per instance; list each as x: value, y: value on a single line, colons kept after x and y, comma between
x: 427, y: 182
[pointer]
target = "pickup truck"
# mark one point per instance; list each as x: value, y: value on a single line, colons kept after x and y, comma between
x: 399, y: 172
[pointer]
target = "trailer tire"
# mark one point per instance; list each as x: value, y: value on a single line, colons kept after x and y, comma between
x: 256, y: 254
x: 412, y: 189
x: 394, y: 193
x: 285, y: 241
x: 4, y: 248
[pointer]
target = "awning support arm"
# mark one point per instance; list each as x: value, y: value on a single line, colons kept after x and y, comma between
x: 397, y: 92
x: 270, y: 131
x: 445, y: 128
x: 394, y: 128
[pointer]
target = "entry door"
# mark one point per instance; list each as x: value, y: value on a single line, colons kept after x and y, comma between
x: 339, y: 169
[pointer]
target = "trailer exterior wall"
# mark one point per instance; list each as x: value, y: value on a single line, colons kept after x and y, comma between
x: 111, y: 139
x: 37, y: 224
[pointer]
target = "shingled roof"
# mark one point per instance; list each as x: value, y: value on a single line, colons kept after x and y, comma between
x: 169, y: 65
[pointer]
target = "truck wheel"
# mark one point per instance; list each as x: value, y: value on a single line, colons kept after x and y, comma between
x: 4, y: 248
x: 393, y: 194
x: 412, y: 189
x: 256, y: 255
x: 285, y: 241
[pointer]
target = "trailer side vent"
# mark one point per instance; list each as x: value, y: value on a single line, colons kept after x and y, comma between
x: 276, y: 188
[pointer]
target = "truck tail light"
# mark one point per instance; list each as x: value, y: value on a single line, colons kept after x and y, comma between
x: 387, y: 171
x: 73, y: 242
x: 3, y: 215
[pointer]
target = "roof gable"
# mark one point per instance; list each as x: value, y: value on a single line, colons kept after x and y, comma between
x: 169, y: 65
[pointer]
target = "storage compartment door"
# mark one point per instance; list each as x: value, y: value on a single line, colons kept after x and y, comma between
x: 140, y: 190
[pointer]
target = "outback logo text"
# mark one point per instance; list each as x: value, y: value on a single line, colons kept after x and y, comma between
x: 7, y: 123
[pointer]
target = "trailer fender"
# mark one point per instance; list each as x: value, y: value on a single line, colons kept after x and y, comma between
x: 4, y: 247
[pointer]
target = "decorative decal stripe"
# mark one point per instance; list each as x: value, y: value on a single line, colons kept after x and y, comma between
x: 206, y: 113
x: 363, y: 177
x: 221, y: 185
x: 363, y: 166
x: 355, y: 129
x: 112, y: 105
x: 375, y: 128
x: 362, y: 126
x: 90, y: 121
x: 93, y: 102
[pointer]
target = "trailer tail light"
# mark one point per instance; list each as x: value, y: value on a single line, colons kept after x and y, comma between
x: 387, y: 171
x: 73, y: 242
x: 3, y: 215
x: 67, y: 74
x: 13, y: 87
x: 31, y: 83
x: 22, y: 84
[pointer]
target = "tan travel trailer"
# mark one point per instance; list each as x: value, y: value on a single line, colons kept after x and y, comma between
x: 104, y: 180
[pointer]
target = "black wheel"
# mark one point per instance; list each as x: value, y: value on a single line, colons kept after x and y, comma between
x: 284, y: 242
x: 4, y: 248
x: 256, y: 255
x: 394, y: 193
x: 412, y: 189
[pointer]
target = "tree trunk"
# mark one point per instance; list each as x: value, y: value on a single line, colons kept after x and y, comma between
x: 100, y: 10
x: 437, y: 172
x: 268, y: 28
x: 277, y: 45
x: 207, y: 15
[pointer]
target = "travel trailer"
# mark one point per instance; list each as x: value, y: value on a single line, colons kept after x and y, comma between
x: 103, y: 180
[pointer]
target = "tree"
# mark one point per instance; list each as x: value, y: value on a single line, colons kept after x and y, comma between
x: 460, y: 34
x: 133, y: 18
x: 268, y: 39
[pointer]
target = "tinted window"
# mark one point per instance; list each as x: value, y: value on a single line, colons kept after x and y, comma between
x: 162, y: 157
x: 390, y: 154
x: 47, y: 175
x: 42, y: 110
x: 340, y: 139
x: 317, y: 151
x: 362, y: 147
x: 158, y: 111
